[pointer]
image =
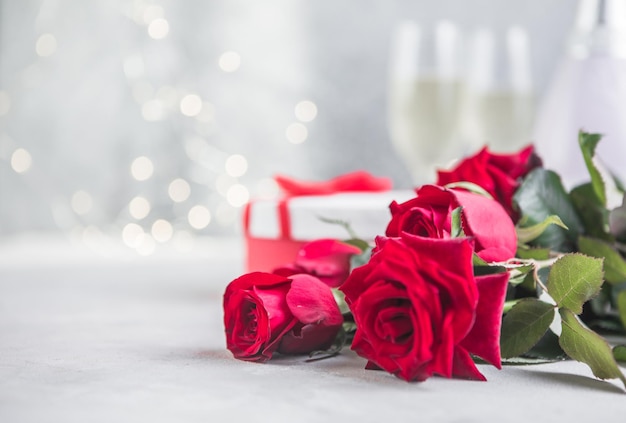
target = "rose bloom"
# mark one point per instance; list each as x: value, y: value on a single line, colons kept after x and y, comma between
x: 430, y: 215
x: 266, y: 313
x: 498, y: 174
x: 326, y: 259
x: 420, y: 311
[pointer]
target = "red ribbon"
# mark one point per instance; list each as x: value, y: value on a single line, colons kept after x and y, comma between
x: 350, y: 182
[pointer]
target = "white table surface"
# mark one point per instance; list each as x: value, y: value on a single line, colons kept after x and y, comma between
x: 86, y: 337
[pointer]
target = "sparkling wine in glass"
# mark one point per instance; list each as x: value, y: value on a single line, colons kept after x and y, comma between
x: 425, y: 97
x: 500, y: 105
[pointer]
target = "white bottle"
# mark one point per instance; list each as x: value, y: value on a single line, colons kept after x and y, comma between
x: 588, y: 92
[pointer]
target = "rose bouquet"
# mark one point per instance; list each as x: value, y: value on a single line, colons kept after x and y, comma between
x: 496, y: 262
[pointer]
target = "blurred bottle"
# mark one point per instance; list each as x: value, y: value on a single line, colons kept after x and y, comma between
x: 588, y: 91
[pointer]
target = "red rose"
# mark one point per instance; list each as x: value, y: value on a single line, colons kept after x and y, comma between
x: 498, y: 174
x: 266, y: 313
x: 326, y: 259
x: 430, y: 215
x: 420, y: 311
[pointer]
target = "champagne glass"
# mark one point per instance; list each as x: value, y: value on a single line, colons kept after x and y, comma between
x: 424, y: 97
x: 499, y: 106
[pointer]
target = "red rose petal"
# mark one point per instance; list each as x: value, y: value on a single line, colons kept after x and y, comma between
x: 490, y: 224
x: 327, y: 259
x: 484, y: 338
x: 311, y: 301
x: 280, y: 318
x: 372, y: 366
x: 309, y: 338
x: 443, y: 360
x: 464, y: 367
x: 472, y: 169
x: 247, y: 281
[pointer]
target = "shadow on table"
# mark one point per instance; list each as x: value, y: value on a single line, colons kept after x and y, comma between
x: 574, y: 380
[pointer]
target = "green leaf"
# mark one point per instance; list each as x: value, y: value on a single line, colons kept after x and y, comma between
x: 477, y: 261
x: 547, y: 348
x: 517, y: 275
x: 508, y: 305
x: 614, y: 264
x: 542, y: 195
x: 524, y: 326
x: 471, y: 187
x: 592, y: 213
x: 456, y: 230
x: 588, y: 143
x: 574, y: 279
x: 533, y: 253
x: 621, y: 307
x: 530, y: 233
x: 588, y: 347
x: 359, y: 243
x: 619, y: 352
x: 488, y: 270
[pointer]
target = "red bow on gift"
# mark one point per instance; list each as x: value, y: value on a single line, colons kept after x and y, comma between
x: 350, y: 182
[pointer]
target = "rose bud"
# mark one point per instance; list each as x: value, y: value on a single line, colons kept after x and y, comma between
x: 266, y: 313
x: 420, y: 311
x: 326, y: 259
x: 430, y: 215
x: 498, y: 174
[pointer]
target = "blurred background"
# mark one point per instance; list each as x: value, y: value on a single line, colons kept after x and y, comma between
x: 154, y: 121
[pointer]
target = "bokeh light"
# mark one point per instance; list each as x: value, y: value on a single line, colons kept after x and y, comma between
x: 230, y: 61
x: 199, y: 217
x: 162, y: 230
x: 179, y: 190
x: 158, y: 28
x: 21, y: 160
x: 236, y: 165
x: 191, y: 105
x: 305, y: 111
x: 139, y: 207
x: 296, y: 133
x: 131, y: 234
x: 142, y: 168
x: 46, y: 45
x: 237, y: 195
x: 81, y: 202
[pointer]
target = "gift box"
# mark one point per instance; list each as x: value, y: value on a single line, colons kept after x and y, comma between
x: 276, y: 229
